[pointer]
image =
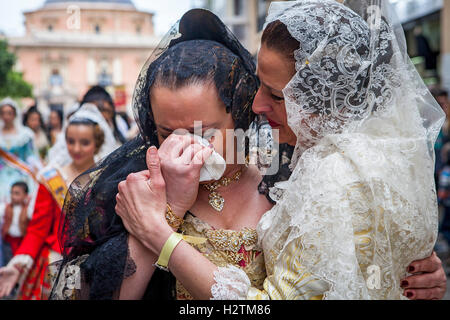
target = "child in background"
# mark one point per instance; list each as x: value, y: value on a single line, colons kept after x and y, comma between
x: 14, y: 216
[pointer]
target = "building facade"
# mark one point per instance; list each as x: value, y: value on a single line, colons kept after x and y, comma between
x: 421, y: 23
x: 426, y: 24
x: 70, y: 46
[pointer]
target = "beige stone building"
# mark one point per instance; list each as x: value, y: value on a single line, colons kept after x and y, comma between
x: 72, y: 45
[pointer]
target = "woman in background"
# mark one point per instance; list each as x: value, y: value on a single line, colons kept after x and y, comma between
x: 33, y: 120
x: 98, y: 96
x: 55, y: 124
x: 87, y: 137
x: 19, y: 159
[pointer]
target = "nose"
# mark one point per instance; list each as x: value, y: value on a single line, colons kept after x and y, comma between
x: 261, y: 104
x: 77, y: 147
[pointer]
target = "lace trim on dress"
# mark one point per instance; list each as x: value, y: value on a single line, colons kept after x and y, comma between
x: 231, y: 284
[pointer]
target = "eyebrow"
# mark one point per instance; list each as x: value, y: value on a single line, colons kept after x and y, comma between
x: 189, y: 129
x: 267, y: 86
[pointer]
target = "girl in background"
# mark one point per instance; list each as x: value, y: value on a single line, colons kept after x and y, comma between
x: 86, y: 138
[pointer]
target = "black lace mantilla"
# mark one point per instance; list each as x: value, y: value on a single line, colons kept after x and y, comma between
x: 91, y: 228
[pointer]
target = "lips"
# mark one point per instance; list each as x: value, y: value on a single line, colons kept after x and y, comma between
x: 272, y: 123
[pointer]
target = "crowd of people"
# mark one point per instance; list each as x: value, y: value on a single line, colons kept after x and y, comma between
x: 442, y: 171
x: 39, y: 161
x: 113, y: 212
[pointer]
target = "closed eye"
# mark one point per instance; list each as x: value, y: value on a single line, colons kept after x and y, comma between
x: 277, y: 98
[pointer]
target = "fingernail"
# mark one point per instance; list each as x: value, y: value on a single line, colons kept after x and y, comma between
x: 409, y: 294
x: 404, y: 284
x: 411, y: 269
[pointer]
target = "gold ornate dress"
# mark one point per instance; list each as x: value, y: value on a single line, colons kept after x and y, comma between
x: 226, y: 247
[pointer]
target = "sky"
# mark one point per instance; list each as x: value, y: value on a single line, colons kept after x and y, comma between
x: 167, y: 12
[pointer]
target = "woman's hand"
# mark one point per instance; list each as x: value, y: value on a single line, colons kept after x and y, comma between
x: 181, y: 161
x: 141, y: 203
x: 428, y: 281
x: 9, y: 276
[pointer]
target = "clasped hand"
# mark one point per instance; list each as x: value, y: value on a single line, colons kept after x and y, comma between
x: 172, y: 177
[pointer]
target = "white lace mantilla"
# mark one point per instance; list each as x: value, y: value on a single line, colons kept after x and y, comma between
x: 361, y: 204
x: 362, y: 215
x: 232, y: 283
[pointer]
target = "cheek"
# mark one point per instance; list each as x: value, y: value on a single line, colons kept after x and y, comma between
x: 70, y: 148
x: 222, y: 142
x: 219, y: 141
x: 107, y: 115
x: 280, y: 111
x: 89, y: 150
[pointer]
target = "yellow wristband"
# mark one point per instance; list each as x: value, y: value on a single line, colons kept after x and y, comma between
x: 166, y: 252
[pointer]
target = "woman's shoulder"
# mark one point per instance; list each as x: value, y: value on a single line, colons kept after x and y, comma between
x: 366, y: 147
x: 367, y: 155
x: 324, y: 165
x: 26, y: 132
x: 21, y: 137
x: 346, y: 162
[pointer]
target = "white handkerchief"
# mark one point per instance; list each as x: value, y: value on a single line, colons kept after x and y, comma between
x: 214, y: 166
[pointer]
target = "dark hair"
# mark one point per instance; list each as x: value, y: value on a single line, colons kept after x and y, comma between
x: 99, y: 96
x: 221, y: 68
x: 59, y: 112
x: 276, y: 36
x: 22, y: 185
x: 96, y: 94
x: 30, y: 111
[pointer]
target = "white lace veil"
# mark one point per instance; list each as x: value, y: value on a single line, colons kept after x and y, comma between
x: 352, y: 66
x: 364, y: 160
x: 58, y: 155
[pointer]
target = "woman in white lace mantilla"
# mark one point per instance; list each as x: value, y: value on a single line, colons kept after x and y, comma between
x: 360, y: 205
